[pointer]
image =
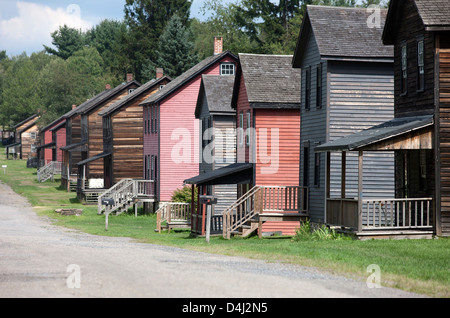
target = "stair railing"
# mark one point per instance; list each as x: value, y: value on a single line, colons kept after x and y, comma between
x: 109, y: 194
x: 245, y: 208
x: 48, y: 171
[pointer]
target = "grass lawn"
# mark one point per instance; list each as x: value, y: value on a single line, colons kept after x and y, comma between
x: 421, y: 266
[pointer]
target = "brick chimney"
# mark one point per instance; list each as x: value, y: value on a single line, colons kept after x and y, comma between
x: 159, y: 73
x: 108, y: 86
x: 74, y: 106
x: 129, y: 77
x: 218, y: 45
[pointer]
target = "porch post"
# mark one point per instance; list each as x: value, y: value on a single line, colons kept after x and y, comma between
x: 343, y: 173
x: 327, y: 183
x: 360, y: 189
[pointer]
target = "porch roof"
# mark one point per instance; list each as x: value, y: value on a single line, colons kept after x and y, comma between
x: 46, y: 145
x: 236, y: 173
x: 73, y: 147
x: 93, y: 158
x: 389, y: 130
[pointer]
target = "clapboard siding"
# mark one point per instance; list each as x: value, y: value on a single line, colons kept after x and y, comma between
x: 313, y: 128
x: 178, y: 137
x: 60, y: 142
x: 242, y: 107
x: 95, y: 169
x: 410, y: 27
x: 444, y: 141
x: 359, y: 99
x: 277, y: 147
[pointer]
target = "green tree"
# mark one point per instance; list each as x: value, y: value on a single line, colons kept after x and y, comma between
x: 175, y: 48
x: 146, y: 20
x: 67, y: 41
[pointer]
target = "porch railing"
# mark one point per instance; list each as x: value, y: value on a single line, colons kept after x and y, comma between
x: 386, y: 214
x: 173, y: 212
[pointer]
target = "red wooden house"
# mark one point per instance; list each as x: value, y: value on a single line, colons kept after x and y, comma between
x: 266, y: 98
x: 171, y: 142
x: 47, y: 150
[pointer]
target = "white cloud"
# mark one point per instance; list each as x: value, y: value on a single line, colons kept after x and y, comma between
x: 32, y: 27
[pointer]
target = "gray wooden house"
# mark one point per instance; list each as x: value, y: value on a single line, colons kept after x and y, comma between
x: 419, y: 30
x: 217, y: 134
x: 347, y: 86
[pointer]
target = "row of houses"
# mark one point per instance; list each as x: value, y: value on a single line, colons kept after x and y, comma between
x: 349, y: 131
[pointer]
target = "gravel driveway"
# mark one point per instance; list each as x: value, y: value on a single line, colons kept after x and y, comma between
x: 40, y: 260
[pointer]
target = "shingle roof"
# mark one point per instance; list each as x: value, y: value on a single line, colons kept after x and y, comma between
x: 434, y: 12
x: 136, y: 93
x: 218, y: 91
x: 185, y: 77
x: 389, y: 129
x: 270, y: 79
x: 89, y: 101
x: 25, y: 120
x: 435, y: 15
x: 343, y: 32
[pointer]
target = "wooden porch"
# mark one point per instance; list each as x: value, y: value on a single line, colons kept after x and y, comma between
x: 259, y: 205
x: 366, y: 216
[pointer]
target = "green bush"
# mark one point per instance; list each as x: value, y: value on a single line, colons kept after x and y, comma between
x: 307, y: 233
x: 184, y: 195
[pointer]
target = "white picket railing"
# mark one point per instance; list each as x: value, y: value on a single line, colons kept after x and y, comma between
x: 49, y: 171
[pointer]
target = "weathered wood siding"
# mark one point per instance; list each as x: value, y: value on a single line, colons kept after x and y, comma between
x: 277, y: 155
x: 361, y: 96
x: 224, y: 154
x: 313, y: 130
x: 444, y: 132
x: 414, y: 102
x: 27, y: 142
x: 95, y: 168
x: 74, y: 137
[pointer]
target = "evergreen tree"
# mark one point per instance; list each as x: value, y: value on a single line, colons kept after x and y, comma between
x: 67, y: 41
x: 146, y: 20
x: 175, y: 48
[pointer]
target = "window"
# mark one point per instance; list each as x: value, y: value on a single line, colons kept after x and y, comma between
x: 247, y: 133
x: 317, y: 170
x: 227, y: 69
x: 131, y: 90
x: 153, y: 119
x: 308, y: 88
x: 420, y: 66
x: 33, y: 135
x: 241, y: 128
x: 306, y: 166
x: 33, y: 148
x: 404, y: 74
x: 319, y: 86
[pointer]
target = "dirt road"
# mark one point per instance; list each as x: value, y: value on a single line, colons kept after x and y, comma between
x: 40, y: 260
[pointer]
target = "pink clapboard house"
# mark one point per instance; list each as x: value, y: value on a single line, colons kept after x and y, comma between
x: 171, y: 141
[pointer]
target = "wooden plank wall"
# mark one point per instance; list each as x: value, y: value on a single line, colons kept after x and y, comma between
x: 444, y: 142
x: 128, y: 141
x: 95, y: 133
x: 27, y: 142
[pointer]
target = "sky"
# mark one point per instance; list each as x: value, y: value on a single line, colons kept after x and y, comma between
x: 26, y: 25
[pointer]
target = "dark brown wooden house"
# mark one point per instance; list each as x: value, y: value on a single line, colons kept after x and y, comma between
x: 419, y: 133
x: 123, y: 135
x: 14, y: 150
x: 90, y: 169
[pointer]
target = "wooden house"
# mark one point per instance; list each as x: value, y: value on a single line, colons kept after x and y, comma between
x: 76, y: 142
x: 418, y: 135
x: 217, y: 134
x: 123, y: 134
x: 171, y: 142
x: 266, y: 99
x: 347, y: 86
x: 90, y: 180
x: 15, y: 150
x: 47, y: 151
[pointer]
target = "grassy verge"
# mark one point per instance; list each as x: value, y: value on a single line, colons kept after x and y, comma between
x: 421, y: 266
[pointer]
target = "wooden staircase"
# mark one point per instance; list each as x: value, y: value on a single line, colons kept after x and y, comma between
x: 173, y: 215
x: 124, y: 195
x: 262, y: 204
x: 49, y: 171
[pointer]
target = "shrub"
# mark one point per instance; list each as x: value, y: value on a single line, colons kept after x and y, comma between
x: 321, y: 233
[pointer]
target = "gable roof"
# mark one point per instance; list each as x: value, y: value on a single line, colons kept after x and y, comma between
x: 270, y: 80
x: 186, y: 77
x: 25, y: 120
x: 140, y: 90
x: 108, y: 95
x: 435, y: 15
x: 343, y: 33
x: 74, y: 111
x: 218, y: 91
